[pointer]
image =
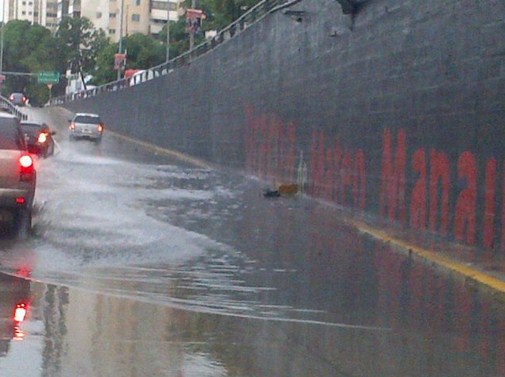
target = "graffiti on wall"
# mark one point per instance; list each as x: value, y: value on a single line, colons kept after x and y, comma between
x: 455, y: 195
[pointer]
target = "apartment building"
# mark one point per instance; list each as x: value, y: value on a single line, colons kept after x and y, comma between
x: 116, y: 17
x: 42, y: 12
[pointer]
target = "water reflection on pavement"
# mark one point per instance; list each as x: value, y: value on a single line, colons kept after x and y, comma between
x: 143, y: 267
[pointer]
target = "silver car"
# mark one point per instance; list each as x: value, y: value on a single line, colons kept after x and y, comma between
x: 86, y: 126
x: 17, y: 177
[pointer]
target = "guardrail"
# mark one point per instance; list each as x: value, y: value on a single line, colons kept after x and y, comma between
x: 6, y: 105
x: 246, y: 20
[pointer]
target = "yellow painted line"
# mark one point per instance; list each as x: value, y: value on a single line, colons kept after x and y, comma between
x: 434, y: 257
x: 164, y: 151
x: 431, y: 256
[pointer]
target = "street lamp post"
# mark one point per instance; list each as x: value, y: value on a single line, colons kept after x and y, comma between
x: 120, y: 47
x: 168, y: 31
x: 2, y: 37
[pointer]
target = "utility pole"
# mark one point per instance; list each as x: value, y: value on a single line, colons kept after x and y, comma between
x: 2, y: 37
x: 2, y: 77
x: 192, y: 33
x: 120, y: 47
x: 168, y: 31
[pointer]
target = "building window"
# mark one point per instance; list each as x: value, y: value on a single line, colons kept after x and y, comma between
x: 163, y: 5
x: 112, y: 31
x: 112, y: 15
x: 136, y: 17
x: 98, y: 14
x: 136, y: 2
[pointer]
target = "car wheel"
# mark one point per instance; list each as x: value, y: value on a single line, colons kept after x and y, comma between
x: 98, y: 141
x: 71, y: 138
x: 22, y: 222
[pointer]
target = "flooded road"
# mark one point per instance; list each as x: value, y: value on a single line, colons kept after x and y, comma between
x: 142, y: 265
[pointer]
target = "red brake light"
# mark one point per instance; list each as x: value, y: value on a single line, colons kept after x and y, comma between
x: 100, y: 128
x: 42, y: 137
x: 26, y: 168
x: 20, y: 312
x: 72, y: 125
x: 26, y: 161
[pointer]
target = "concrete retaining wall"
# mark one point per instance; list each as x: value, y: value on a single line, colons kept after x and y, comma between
x: 397, y: 111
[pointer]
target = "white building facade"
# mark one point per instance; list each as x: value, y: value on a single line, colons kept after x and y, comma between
x: 118, y: 18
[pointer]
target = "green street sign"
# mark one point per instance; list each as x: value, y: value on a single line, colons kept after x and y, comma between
x: 48, y: 77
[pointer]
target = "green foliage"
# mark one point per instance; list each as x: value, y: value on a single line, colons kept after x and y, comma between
x: 77, y: 46
x: 143, y: 51
x: 104, y: 69
x: 80, y: 40
x: 31, y: 49
x: 221, y: 13
x: 179, y: 40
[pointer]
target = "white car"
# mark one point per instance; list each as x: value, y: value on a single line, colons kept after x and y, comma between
x: 17, y: 176
x: 86, y: 126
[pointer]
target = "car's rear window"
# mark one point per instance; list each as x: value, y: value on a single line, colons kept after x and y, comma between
x: 87, y: 119
x: 31, y: 128
x: 10, y: 137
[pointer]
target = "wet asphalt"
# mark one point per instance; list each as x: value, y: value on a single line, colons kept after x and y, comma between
x: 140, y: 264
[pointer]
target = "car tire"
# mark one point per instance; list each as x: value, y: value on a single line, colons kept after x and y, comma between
x: 71, y: 138
x: 22, y: 222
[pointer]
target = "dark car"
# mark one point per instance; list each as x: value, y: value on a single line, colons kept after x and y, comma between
x: 18, y: 99
x: 17, y: 176
x: 39, y: 138
x: 86, y: 126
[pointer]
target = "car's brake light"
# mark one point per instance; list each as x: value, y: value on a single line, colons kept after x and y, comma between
x: 20, y: 312
x: 100, y: 127
x: 26, y: 167
x: 26, y: 161
x: 42, y: 137
x: 72, y: 125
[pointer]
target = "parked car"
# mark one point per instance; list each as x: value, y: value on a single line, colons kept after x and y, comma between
x: 17, y: 176
x: 18, y: 99
x: 86, y: 126
x: 38, y: 137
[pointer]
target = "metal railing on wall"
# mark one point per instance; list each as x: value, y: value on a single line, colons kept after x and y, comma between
x: 8, y: 106
x: 246, y: 20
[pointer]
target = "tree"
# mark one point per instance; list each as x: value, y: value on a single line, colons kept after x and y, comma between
x: 104, y: 69
x: 221, y: 13
x: 143, y: 51
x: 29, y: 49
x: 81, y: 42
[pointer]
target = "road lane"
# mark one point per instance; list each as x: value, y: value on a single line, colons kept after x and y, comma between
x: 144, y: 266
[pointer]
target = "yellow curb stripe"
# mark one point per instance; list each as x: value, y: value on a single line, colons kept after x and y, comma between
x: 442, y: 261
x: 167, y: 152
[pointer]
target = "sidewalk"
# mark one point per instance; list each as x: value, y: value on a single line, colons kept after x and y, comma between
x: 476, y: 268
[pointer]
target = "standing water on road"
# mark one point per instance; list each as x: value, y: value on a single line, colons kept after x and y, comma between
x: 140, y: 265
